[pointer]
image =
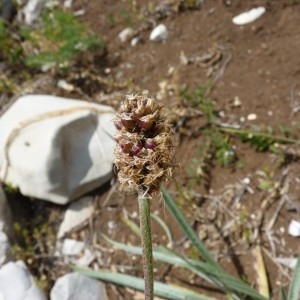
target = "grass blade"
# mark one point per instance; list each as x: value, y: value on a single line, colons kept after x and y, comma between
x: 215, y: 269
x: 282, y: 293
x: 294, y: 290
x: 160, y: 289
x: 164, y: 226
x: 202, y: 269
x: 188, y: 229
x: 132, y: 225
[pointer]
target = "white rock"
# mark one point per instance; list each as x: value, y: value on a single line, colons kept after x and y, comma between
x: 246, y: 180
x: 72, y: 247
x: 16, y: 283
x: 287, y: 262
x: 77, y: 213
x: 64, y: 85
x: 68, y: 3
x: 135, y: 41
x: 6, y: 230
x: 159, y: 33
x: 251, y: 117
x: 32, y: 10
x: 237, y: 102
x: 86, y: 259
x: 56, y: 149
x: 74, y: 286
x: 249, y: 16
x: 294, y: 228
x: 6, y: 225
x: 5, y: 250
x: 126, y: 34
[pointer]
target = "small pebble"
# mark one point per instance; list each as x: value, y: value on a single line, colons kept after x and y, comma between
x: 294, y: 228
x: 107, y: 70
x: 135, y: 41
x: 65, y: 85
x: 111, y: 225
x: 237, y: 102
x: 251, y: 117
x: 72, y: 247
x: 281, y: 230
x: 159, y: 33
x: 134, y: 215
x: 221, y: 114
x: 246, y: 180
x: 249, y: 16
x: 68, y: 3
x: 126, y: 34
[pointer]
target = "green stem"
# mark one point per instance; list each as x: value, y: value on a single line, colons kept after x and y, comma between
x: 279, y: 139
x: 145, y: 225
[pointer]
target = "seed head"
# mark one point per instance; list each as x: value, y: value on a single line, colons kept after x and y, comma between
x: 145, y: 144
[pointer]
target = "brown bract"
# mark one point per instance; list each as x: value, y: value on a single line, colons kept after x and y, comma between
x: 145, y: 144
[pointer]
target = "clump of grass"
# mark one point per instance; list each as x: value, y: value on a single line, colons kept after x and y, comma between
x: 57, y: 40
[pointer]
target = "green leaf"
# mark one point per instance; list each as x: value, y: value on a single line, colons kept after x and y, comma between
x: 282, y: 293
x: 160, y: 289
x: 164, y: 226
x: 188, y: 229
x: 212, y: 267
x: 294, y: 290
x: 202, y: 269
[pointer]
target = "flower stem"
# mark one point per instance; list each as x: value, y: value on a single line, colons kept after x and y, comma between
x: 145, y: 226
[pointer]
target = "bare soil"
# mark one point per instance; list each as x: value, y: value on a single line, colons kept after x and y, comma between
x: 250, y: 69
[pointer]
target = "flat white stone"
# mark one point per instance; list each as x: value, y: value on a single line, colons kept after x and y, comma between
x: 55, y: 148
x: 249, y: 16
x: 77, y: 213
x: 64, y: 85
x: 75, y: 286
x: 251, y: 117
x: 16, y: 283
x: 72, y: 247
x: 6, y: 225
x: 68, y: 3
x: 246, y: 180
x: 5, y: 250
x: 32, y: 10
x: 159, y: 33
x: 134, y: 41
x: 86, y: 259
x: 287, y: 262
x: 294, y: 228
x: 126, y: 34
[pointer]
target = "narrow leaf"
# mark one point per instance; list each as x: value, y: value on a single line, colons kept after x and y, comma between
x: 282, y: 293
x: 202, y: 269
x: 294, y: 290
x: 188, y: 229
x: 160, y: 289
x: 164, y: 226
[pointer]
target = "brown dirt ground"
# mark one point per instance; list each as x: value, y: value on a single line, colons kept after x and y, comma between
x: 258, y: 64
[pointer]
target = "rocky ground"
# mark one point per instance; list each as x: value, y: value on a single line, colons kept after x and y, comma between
x: 223, y: 85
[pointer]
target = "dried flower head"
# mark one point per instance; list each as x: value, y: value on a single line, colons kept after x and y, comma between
x: 145, y: 144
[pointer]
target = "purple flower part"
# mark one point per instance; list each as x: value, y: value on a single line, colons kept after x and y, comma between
x: 150, y: 144
x: 136, y: 149
x: 118, y: 124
